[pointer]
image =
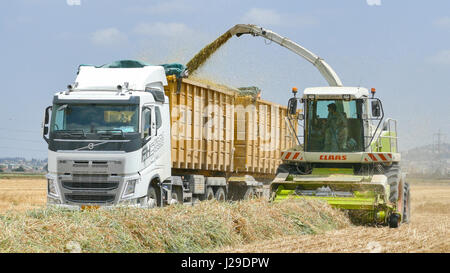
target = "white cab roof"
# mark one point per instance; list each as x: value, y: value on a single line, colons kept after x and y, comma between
x: 97, y: 78
x: 332, y: 92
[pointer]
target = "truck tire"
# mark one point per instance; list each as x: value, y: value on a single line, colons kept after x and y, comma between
x: 153, y: 198
x: 220, y: 194
x: 406, y: 204
x: 209, y: 195
x: 393, y: 176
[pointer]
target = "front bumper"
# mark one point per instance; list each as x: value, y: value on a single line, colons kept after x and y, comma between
x: 91, y: 190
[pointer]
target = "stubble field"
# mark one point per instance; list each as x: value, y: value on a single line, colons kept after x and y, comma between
x: 428, y: 231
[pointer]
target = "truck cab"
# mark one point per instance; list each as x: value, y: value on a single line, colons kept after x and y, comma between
x: 107, y: 136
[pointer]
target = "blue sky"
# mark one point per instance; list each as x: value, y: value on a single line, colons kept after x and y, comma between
x: 400, y: 47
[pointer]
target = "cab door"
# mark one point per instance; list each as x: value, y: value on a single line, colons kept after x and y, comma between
x: 148, y: 124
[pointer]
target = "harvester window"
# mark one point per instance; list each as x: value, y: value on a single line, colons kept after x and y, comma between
x: 334, y: 126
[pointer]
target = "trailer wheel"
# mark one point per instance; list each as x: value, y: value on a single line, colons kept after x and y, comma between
x: 220, y: 194
x: 287, y: 168
x: 209, y: 194
x: 406, y: 204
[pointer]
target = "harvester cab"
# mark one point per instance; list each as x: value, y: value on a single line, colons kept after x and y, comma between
x: 347, y: 155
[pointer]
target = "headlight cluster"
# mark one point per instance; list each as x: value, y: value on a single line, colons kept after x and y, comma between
x: 51, y: 187
x: 130, y: 187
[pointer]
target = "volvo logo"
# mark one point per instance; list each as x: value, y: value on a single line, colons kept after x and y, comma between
x: 91, y: 145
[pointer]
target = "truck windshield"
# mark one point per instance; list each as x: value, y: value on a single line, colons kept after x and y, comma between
x: 334, y: 126
x: 94, y: 118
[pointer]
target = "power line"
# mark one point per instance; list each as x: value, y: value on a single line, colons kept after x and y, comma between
x: 24, y: 140
x: 21, y: 149
x: 19, y: 130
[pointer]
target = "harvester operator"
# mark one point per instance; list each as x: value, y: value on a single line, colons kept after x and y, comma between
x: 335, y: 130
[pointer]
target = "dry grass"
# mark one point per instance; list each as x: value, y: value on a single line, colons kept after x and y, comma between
x: 240, y: 227
x: 22, y: 194
x: 428, y: 231
x: 199, y: 228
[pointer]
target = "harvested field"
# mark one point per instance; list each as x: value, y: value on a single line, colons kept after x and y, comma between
x: 428, y: 231
x: 253, y: 226
x: 22, y: 193
x: 178, y: 228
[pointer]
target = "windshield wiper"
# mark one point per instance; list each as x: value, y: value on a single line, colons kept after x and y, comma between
x: 110, y: 132
x: 72, y: 132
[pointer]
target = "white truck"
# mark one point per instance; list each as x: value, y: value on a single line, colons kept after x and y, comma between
x: 109, y: 143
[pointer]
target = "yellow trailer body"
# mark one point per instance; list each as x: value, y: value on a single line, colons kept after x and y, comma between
x: 214, y: 129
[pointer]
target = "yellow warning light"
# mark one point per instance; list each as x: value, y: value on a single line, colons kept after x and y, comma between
x: 372, y: 90
x: 294, y: 90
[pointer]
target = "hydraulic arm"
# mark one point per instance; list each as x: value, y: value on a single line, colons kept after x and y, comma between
x: 325, y: 69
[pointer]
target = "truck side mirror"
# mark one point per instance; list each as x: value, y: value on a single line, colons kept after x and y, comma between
x: 292, y: 106
x: 376, y: 109
x: 45, y: 125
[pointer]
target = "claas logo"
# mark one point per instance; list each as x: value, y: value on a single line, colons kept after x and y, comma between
x: 333, y: 157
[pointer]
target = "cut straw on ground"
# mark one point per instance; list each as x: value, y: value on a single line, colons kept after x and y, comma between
x: 201, y: 228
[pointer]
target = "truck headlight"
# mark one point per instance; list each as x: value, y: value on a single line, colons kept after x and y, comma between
x: 130, y: 187
x: 51, y: 187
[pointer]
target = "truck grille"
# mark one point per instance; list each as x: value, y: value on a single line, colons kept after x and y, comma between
x: 90, y: 178
x: 91, y: 182
x: 90, y: 186
x: 83, y: 198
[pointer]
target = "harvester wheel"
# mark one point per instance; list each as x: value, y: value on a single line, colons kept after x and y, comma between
x: 393, y: 176
x: 406, y: 204
x: 393, y: 220
x: 220, y: 194
x: 209, y: 193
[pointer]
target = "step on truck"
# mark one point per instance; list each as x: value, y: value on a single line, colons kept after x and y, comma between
x: 133, y: 134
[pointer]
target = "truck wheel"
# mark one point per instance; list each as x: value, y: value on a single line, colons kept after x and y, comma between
x: 220, y: 194
x: 393, y: 176
x: 209, y: 194
x: 152, y: 197
x: 406, y: 204
x: 249, y: 194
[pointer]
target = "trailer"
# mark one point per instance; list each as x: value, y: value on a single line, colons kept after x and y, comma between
x: 129, y: 133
